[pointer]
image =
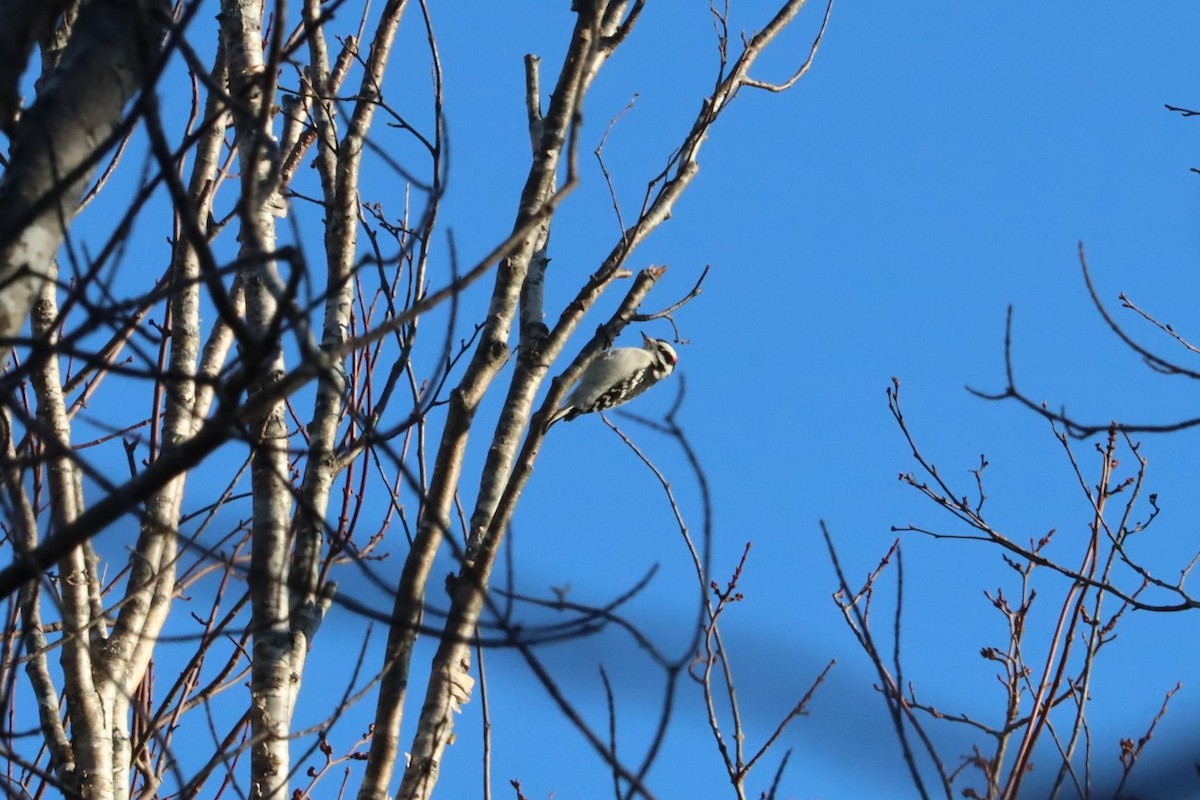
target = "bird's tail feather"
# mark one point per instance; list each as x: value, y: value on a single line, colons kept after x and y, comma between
x: 556, y: 416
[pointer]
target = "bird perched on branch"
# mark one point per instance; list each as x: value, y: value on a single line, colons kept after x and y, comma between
x: 617, y: 377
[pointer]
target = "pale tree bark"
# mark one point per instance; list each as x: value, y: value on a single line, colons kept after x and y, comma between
x: 252, y: 84
x: 36, y: 645
x: 339, y: 164
x: 146, y: 604
x: 582, y: 61
x: 104, y: 668
x: 89, y: 717
x: 75, y: 119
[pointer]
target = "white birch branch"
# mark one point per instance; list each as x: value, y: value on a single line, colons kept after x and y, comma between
x: 86, y: 711
x: 252, y: 82
x: 450, y: 684
x: 489, y: 357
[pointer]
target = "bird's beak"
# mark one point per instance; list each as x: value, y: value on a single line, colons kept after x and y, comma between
x: 645, y: 339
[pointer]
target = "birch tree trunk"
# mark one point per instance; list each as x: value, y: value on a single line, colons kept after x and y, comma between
x: 59, y: 140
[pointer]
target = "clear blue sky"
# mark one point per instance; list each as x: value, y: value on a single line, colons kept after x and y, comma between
x: 941, y: 161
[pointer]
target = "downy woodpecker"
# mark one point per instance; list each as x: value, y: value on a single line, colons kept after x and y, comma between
x: 618, y: 376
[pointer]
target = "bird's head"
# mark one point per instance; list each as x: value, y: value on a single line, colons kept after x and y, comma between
x: 662, y: 350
